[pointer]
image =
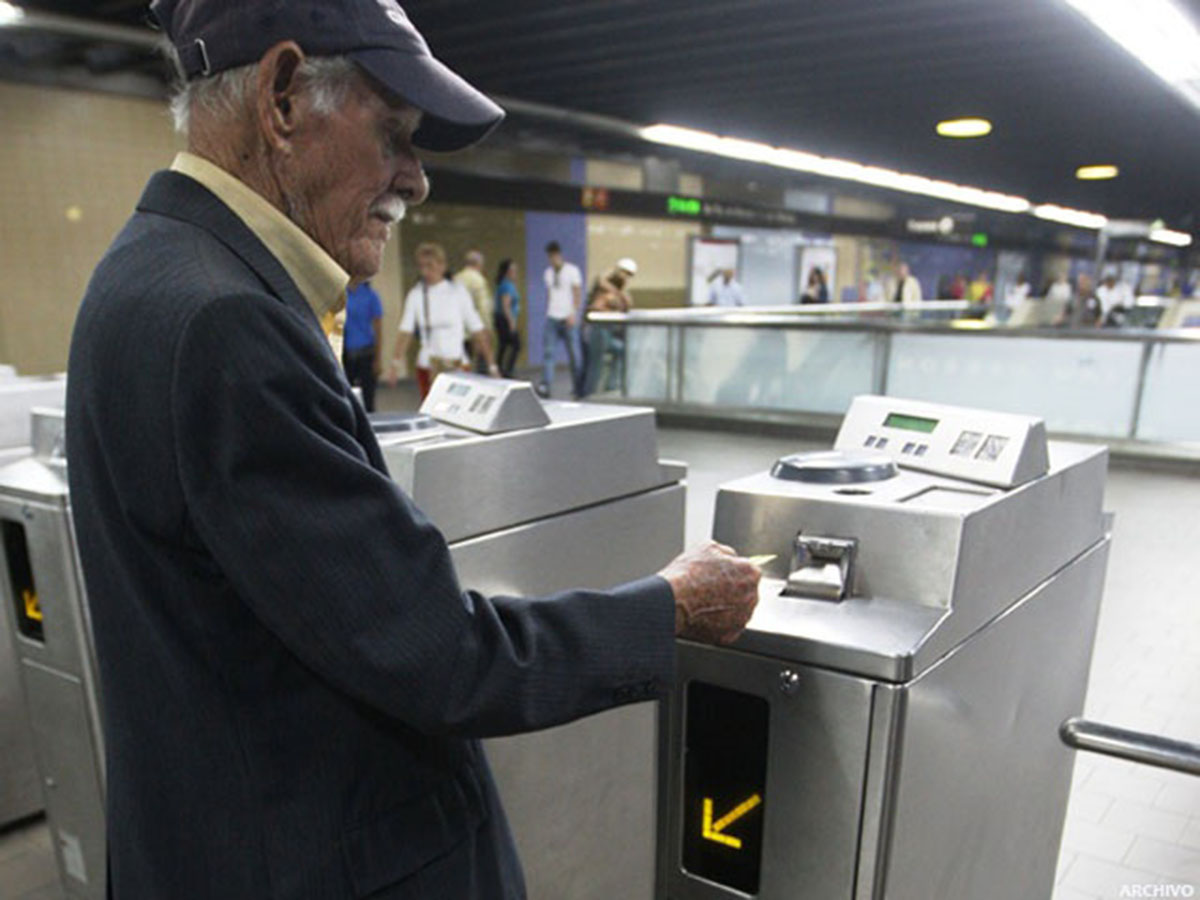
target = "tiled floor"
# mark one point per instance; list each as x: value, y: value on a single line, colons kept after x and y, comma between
x: 1128, y: 827
x: 27, y: 864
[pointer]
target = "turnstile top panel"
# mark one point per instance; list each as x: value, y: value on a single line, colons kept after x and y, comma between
x: 999, y: 449
x: 471, y: 484
x: 43, y: 475
x: 931, y: 558
x: 484, y: 405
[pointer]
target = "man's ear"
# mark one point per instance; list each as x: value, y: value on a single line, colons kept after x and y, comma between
x: 277, y: 90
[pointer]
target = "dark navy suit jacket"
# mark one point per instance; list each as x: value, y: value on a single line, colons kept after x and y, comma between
x: 293, y: 680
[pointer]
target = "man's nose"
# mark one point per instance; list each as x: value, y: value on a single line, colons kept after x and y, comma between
x: 409, y: 179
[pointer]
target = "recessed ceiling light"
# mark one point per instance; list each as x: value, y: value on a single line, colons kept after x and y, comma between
x: 10, y: 14
x: 1096, y: 173
x: 964, y: 128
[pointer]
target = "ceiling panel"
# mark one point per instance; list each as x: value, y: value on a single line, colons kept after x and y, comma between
x: 862, y: 79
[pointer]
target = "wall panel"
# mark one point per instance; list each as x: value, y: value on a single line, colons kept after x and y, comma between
x: 74, y: 167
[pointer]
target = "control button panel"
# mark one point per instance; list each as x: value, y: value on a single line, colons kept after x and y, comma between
x: 998, y: 449
x: 485, y: 405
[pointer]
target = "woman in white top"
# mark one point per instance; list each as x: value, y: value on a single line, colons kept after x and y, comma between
x: 441, y: 314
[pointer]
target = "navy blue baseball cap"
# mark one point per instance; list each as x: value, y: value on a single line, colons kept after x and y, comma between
x: 211, y: 36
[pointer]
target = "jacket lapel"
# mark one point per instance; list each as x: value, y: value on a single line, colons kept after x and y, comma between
x: 179, y: 197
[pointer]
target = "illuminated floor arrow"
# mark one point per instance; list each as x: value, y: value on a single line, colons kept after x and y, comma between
x: 713, y: 830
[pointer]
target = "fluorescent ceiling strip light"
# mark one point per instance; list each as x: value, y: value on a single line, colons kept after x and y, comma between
x: 1066, y: 216
x: 830, y: 167
x: 1174, y: 238
x: 10, y: 14
x: 1158, y: 33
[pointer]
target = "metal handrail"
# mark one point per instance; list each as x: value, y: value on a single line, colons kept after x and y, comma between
x: 1137, y: 746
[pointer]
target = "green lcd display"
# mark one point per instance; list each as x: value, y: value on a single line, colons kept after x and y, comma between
x: 910, y: 423
x: 725, y: 779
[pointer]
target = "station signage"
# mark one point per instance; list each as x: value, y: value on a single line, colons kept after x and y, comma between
x: 942, y: 226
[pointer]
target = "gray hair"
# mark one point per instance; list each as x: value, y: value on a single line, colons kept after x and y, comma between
x: 326, y: 79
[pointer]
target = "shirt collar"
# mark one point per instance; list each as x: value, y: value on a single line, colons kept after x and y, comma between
x: 320, y: 280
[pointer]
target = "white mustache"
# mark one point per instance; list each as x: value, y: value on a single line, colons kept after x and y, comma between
x: 390, y: 208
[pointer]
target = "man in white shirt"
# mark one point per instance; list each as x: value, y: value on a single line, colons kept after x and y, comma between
x: 1109, y: 294
x: 725, y: 291
x: 441, y: 313
x: 564, y: 292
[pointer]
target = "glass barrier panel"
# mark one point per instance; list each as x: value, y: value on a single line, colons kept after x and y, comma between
x: 1086, y: 387
x: 1169, y: 411
x: 647, y: 361
x: 775, y: 368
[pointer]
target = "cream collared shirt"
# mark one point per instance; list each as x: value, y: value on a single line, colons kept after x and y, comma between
x: 320, y: 280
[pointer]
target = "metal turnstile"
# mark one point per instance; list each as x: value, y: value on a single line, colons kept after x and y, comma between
x: 537, y: 497
x: 45, y: 609
x: 20, y: 794
x: 888, y: 725
x: 532, y: 498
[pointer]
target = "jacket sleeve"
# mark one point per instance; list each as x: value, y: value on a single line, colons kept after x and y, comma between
x: 329, y: 554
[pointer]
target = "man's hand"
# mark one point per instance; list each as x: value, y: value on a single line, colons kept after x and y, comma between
x: 715, y: 593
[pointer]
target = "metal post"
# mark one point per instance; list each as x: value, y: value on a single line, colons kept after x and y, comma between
x: 883, y: 360
x: 680, y: 348
x: 1139, y: 397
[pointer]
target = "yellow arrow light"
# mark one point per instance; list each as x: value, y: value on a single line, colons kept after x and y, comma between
x: 713, y: 831
x: 33, y: 608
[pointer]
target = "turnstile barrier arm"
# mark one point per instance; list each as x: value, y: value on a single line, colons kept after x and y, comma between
x: 1137, y: 746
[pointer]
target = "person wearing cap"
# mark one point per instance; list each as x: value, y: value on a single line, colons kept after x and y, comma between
x: 604, y: 345
x: 564, y: 291
x: 293, y: 679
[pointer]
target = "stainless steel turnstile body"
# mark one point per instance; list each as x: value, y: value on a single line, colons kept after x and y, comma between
x: 45, y: 610
x: 898, y: 740
x: 534, y: 502
x: 20, y: 795
x: 582, y: 501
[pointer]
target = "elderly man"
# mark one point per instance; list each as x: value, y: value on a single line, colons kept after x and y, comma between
x: 908, y: 289
x: 471, y: 277
x: 293, y: 679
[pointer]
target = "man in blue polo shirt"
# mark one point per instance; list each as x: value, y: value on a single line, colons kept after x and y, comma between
x: 361, y: 342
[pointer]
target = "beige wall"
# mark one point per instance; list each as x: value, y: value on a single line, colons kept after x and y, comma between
x: 74, y: 165
x: 658, y: 247
x: 602, y: 173
x: 691, y: 185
